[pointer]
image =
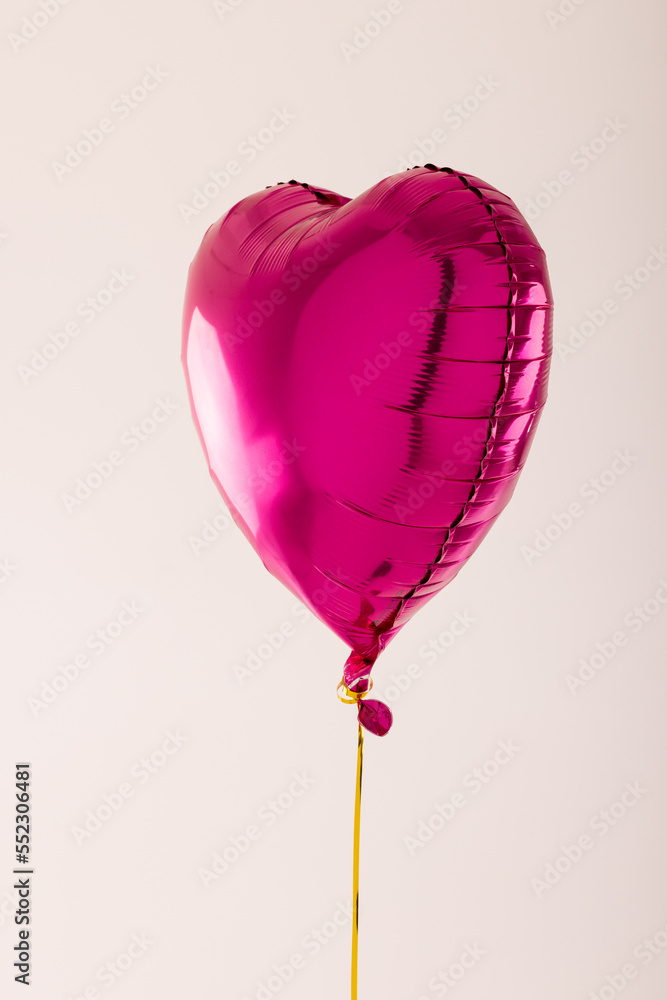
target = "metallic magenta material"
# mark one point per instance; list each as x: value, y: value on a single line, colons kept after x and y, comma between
x: 366, y: 377
x: 375, y: 716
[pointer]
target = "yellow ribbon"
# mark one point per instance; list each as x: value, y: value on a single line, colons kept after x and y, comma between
x: 351, y: 698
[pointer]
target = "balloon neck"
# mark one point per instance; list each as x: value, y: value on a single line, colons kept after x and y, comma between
x: 373, y: 715
x: 357, y: 672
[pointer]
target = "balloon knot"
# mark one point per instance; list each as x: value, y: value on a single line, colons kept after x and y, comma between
x: 372, y: 714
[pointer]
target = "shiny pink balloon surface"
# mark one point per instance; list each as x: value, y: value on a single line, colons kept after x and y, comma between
x: 366, y: 377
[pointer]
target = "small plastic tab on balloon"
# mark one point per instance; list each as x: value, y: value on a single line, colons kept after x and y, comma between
x: 375, y: 716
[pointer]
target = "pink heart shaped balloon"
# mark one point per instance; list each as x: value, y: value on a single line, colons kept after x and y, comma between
x: 366, y: 377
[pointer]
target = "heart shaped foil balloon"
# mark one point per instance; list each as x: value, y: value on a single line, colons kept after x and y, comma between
x: 366, y: 376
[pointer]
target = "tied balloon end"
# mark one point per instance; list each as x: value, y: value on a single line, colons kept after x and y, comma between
x: 372, y: 714
x: 357, y: 672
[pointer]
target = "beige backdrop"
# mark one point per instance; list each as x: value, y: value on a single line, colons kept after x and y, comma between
x: 192, y: 826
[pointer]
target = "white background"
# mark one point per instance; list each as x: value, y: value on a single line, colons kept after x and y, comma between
x: 67, y: 572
